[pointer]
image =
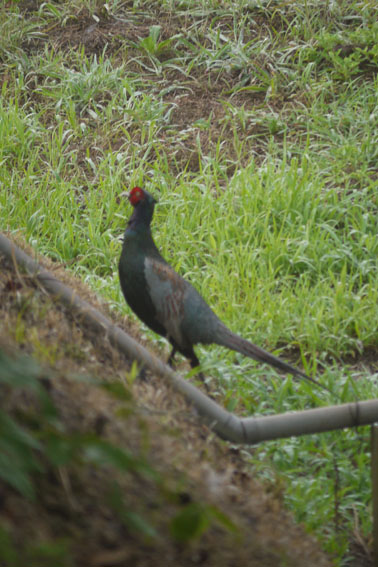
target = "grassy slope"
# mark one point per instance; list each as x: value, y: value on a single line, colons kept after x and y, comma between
x: 257, y: 128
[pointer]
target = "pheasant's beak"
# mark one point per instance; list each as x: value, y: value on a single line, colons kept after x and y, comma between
x: 125, y: 194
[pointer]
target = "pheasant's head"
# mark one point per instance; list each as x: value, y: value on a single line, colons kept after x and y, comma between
x: 138, y: 195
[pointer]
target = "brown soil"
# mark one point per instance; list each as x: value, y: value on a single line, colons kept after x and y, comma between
x: 197, y: 115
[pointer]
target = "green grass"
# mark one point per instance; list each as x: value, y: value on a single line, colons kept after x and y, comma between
x: 259, y: 136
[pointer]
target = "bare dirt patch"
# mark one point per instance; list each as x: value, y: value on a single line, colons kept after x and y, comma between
x: 198, y: 116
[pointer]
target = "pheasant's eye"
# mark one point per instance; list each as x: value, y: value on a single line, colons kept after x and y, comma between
x: 136, y: 195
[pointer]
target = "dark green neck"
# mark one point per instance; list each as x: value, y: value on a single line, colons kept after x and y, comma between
x: 140, y: 220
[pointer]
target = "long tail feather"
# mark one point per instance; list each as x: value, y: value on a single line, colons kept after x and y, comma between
x: 227, y: 338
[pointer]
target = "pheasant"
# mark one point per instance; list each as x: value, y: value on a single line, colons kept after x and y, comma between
x: 167, y: 303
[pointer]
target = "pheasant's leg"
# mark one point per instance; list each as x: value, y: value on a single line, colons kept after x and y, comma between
x: 171, y: 356
x: 194, y: 363
x: 193, y: 359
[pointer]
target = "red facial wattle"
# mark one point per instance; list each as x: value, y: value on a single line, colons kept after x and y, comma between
x: 136, y: 195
